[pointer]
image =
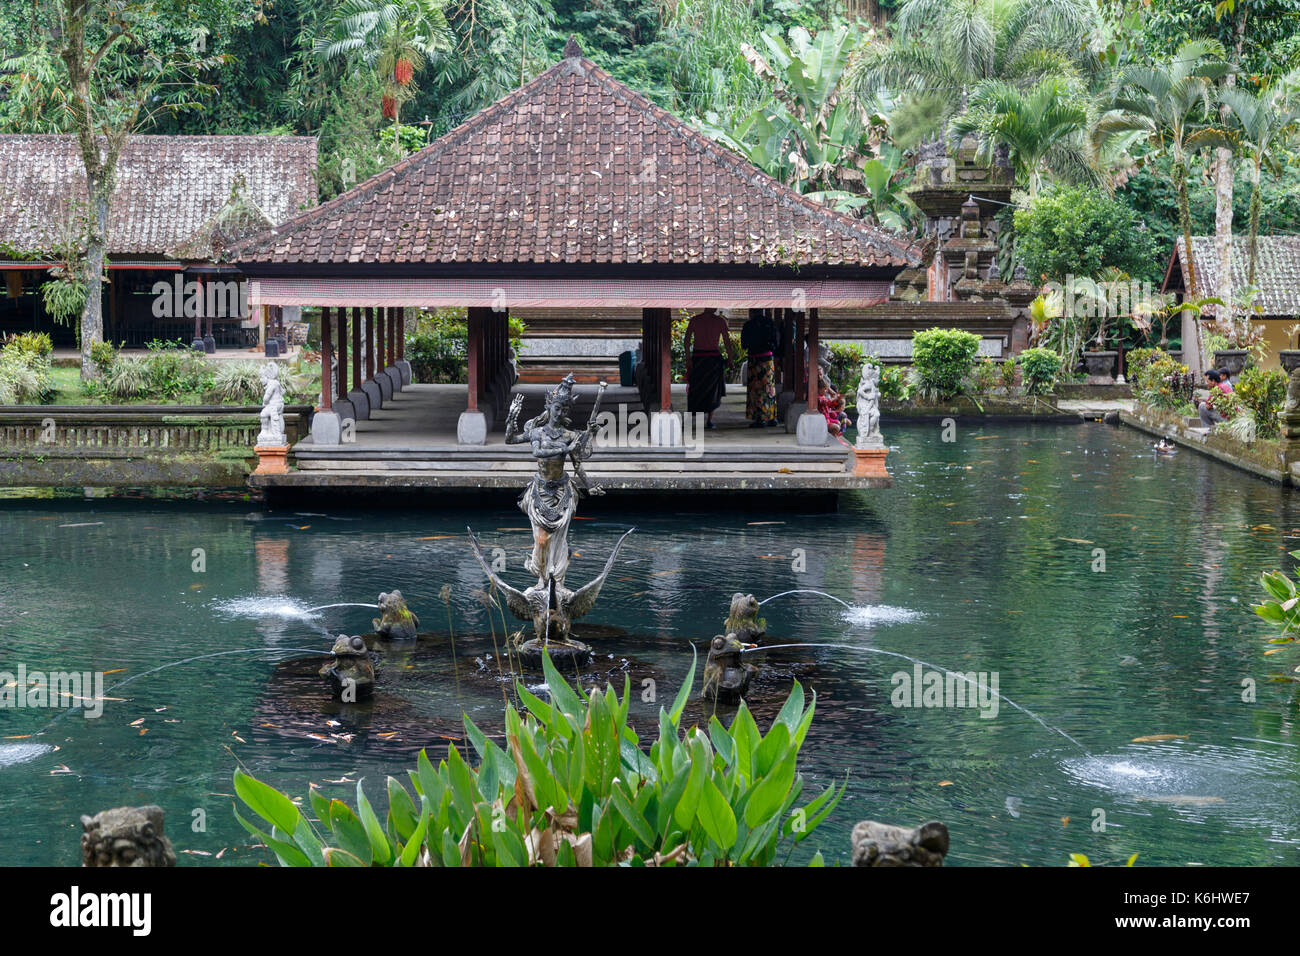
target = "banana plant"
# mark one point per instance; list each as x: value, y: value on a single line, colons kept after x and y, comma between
x: 571, y: 787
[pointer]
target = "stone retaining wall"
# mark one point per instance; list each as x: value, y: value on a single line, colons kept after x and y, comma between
x: 1265, y: 458
x: 202, y: 446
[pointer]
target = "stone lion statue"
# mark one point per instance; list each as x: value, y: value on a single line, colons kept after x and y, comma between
x: 126, y: 836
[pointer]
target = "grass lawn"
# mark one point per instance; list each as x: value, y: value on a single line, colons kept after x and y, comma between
x: 69, y: 390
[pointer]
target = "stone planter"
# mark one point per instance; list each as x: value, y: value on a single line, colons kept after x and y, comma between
x: 1176, y: 355
x: 1100, y: 367
x: 1231, y: 359
x: 1290, y: 359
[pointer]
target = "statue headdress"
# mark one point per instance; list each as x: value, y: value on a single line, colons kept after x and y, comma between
x: 562, y: 396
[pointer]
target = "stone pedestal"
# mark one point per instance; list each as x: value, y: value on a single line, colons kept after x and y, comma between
x: 404, y: 367
x: 471, y: 428
x: 870, y: 462
x: 792, y: 415
x: 326, y: 428
x: 360, y: 404
x: 373, y: 395
x: 665, y: 429
x: 395, y: 377
x: 812, y: 429
x: 385, y: 385
x: 209, y: 344
x: 345, y: 410
x: 272, y: 459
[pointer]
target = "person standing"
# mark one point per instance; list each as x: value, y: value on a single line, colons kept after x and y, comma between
x: 707, y: 337
x: 760, y: 338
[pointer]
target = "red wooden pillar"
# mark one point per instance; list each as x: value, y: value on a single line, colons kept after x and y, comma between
x: 392, y: 337
x: 475, y: 319
x: 370, y: 343
x: 379, y: 340
x: 356, y: 347
x: 401, y: 333
x: 343, y: 352
x: 326, y: 353
x: 664, y: 355
x: 813, y: 331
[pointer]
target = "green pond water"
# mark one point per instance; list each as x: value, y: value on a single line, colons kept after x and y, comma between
x: 980, y: 559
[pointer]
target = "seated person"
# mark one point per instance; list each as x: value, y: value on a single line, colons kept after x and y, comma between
x: 1214, y: 380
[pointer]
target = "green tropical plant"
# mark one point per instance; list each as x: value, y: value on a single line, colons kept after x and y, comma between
x: 395, y: 38
x: 1281, y: 609
x: 1169, y: 104
x: 128, y: 377
x: 941, y: 361
x: 1040, y: 368
x: 571, y: 787
x: 1041, y: 127
x: 811, y: 132
x: 237, y: 382
x: 1069, y: 231
x: 1263, y: 392
x: 955, y: 46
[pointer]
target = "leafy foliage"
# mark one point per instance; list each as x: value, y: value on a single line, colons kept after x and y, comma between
x: 941, y: 360
x: 1040, y: 368
x: 1262, y: 392
x: 1079, y: 231
x: 571, y: 787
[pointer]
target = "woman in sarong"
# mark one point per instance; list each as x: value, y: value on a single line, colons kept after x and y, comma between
x: 760, y: 338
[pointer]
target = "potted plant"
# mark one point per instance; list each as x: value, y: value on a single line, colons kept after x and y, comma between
x: 1091, y: 301
x: 1241, y: 334
x: 1290, y: 358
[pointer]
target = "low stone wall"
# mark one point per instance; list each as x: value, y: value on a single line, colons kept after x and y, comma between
x: 1034, y: 408
x: 1265, y: 458
x: 200, y: 446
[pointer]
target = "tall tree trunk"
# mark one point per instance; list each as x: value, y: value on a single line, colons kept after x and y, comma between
x: 1189, y: 260
x: 92, y: 268
x: 1223, y: 173
x: 1255, y: 203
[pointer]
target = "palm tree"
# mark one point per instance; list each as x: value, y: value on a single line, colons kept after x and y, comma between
x: 956, y: 45
x: 1042, y: 129
x: 1169, y: 103
x: 392, y: 37
x: 1265, y: 121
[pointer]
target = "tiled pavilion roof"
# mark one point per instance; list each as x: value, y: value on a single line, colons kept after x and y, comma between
x: 575, y: 169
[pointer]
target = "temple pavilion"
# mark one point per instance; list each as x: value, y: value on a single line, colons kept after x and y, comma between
x: 576, y: 195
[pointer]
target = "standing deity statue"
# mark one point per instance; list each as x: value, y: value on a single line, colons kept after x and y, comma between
x: 550, y: 501
x: 551, y: 498
x: 869, y: 408
x: 272, y: 433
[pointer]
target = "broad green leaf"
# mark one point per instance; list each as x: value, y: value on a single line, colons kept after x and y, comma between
x: 337, y: 857
x: 562, y: 695
x: 771, y: 790
x: 267, y: 802
x: 349, y: 832
x: 402, y: 819
x: 378, y: 841
x: 684, y: 692
x: 772, y: 750
x: 411, y: 851
x: 632, y: 817
x: 792, y: 712
x: 716, y: 816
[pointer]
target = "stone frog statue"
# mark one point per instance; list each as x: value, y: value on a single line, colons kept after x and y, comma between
x: 126, y: 836
x: 351, y: 672
x: 743, y: 620
x: 726, y: 675
x: 395, y: 621
x: 881, y: 844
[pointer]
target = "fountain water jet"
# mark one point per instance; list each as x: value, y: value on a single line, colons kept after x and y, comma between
x: 916, y: 660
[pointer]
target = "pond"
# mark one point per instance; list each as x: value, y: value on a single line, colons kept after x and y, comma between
x: 1106, y: 591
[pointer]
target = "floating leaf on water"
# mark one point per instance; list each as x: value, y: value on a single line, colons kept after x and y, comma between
x: 1075, y: 540
x: 1065, y: 821
x: 1158, y: 738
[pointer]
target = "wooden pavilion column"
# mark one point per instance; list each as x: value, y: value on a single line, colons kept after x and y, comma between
x: 343, y: 350
x: 370, y: 343
x: 476, y: 319
x: 813, y: 330
x: 326, y: 353
x: 392, y: 337
x: 198, y: 312
x: 401, y: 333
x: 379, y: 341
x: 356, y: 347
